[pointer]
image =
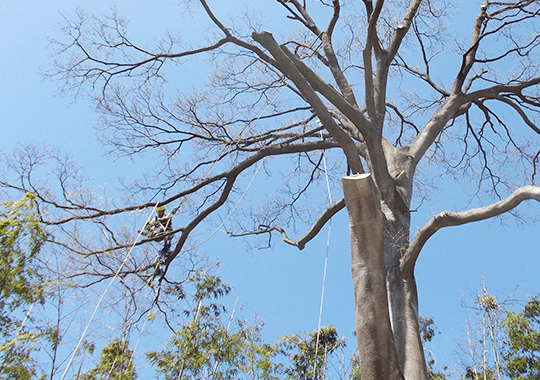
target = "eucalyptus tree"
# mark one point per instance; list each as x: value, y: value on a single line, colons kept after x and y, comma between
x: 393, y: 93
x: 521, y: 348
x: 21, y: 287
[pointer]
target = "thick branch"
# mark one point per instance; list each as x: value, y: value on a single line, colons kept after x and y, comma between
x: 372, y: 137
x: 334, y: 97
x: 289, y: 69
x: 505, y: 94
x: 334, y: 19
x: 502, y: 89
x: 301, y: 15
x: 520, y: 112
x: 377, y: 106
x: 372, y: 38
x: 337, y: 72
x: 402, y: 29
x: 457, y: 103
x: 447, y: 219
x: 448, y: 110
x: 274, y: 150
x: 470, y: 55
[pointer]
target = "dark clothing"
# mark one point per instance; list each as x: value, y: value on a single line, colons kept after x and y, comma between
x: 164, y: 253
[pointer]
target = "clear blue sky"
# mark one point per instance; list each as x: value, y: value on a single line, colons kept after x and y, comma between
x: 281, y: 285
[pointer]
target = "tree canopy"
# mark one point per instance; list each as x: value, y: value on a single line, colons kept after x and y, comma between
x: 522, y: 348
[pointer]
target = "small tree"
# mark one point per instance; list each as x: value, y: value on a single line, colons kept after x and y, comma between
x: 209, y: 347
x: 310, y: 355
x: 21, y: 239
x: 116, y: 362
x: 522, y: 344
x: 481, y: 358
x: 428, y: 329
x: 21, y: 285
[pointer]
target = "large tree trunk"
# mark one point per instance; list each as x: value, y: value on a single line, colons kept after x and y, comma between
x: 403, y: 305
x: 386, y: 303
x: 402, y: 293
x: 376, y: 348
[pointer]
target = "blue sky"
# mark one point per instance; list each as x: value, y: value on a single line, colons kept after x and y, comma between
x: 282, y: 285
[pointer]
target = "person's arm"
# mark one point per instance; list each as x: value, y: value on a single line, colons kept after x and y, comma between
x: 148, y: 228
x: 143, y: 233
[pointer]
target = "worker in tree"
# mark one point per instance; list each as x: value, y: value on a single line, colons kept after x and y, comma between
x: 157, y: 228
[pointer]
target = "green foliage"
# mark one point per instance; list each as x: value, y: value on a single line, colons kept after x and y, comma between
x: 116, y: 363
x: 16, y: 362
x: 309, y: 355
x: 522, y: 347
x: 208, y: 347
x: 427, y: 329
x: 433, y: 374
x: 213, y: 346
x: 485, y: 374
x: 355, y: 367
x: 21, y: 238
x: 427, y: 333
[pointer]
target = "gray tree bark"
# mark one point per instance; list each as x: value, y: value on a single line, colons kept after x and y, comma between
x: 376, y: 347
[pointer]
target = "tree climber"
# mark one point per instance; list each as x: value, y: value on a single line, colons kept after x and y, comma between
x: 157, y: 228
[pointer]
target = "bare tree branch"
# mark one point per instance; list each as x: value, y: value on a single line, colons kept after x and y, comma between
x: 266, y: 40
x: 447, y: 219
x: 313, y: 231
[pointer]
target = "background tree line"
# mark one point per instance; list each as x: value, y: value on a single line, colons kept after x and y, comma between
x: 214, y: 343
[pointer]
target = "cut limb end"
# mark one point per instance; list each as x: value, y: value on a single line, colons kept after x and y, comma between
x: 358, y: 176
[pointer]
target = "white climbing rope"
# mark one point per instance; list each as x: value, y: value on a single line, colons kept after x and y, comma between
x: 325, y: 263
x: 101, y: 299
x: 234, y: 208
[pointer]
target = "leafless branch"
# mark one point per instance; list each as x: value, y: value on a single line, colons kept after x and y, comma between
x: 313, y: 231
x: 447, y: 219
